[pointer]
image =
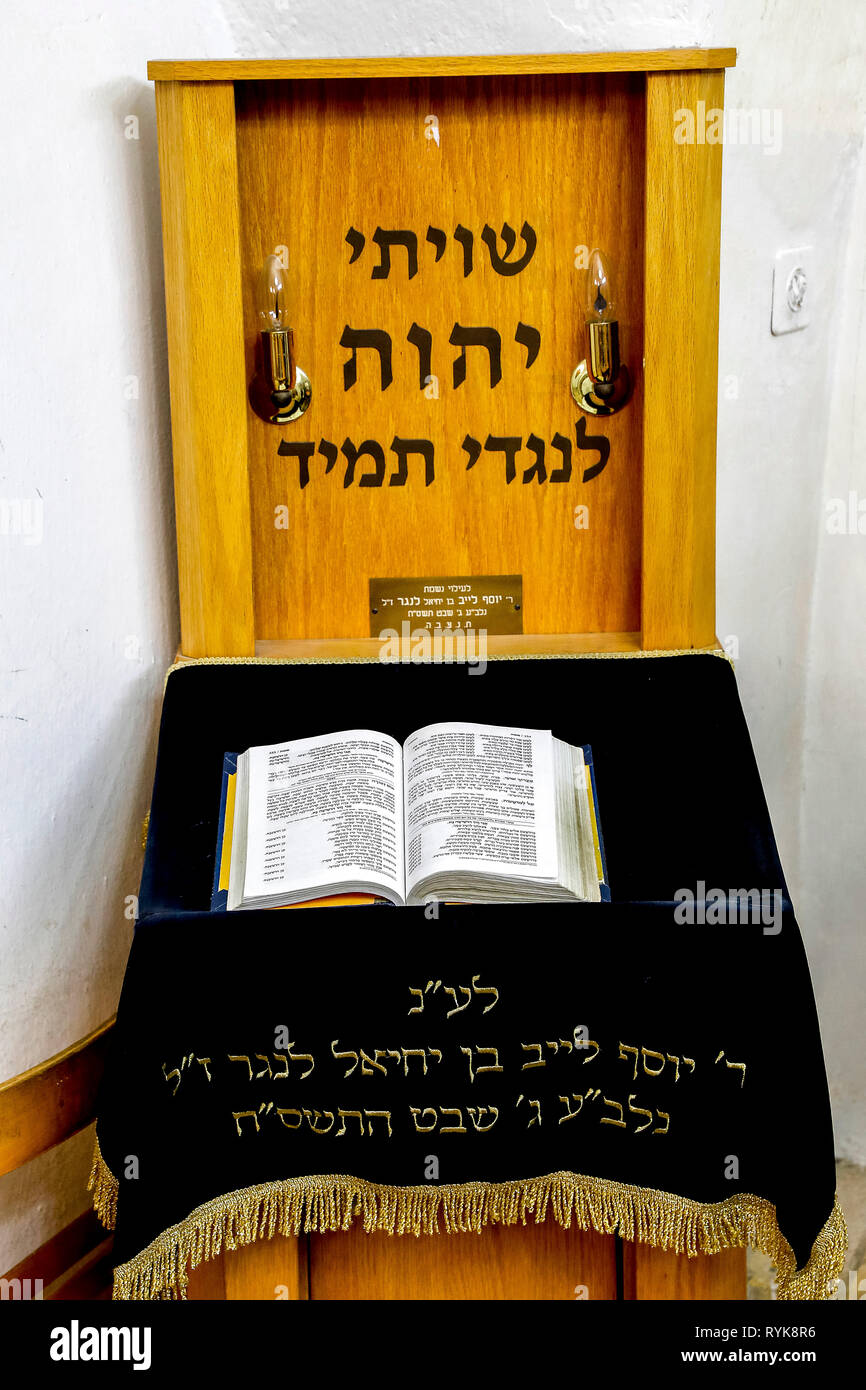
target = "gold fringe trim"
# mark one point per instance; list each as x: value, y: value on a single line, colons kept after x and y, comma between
x: 184, y: 661
x: 332, y: 1203
x: 104, y: 1186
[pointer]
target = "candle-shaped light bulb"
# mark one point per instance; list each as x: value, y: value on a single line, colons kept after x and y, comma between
x: 600, y: 303
x: 279, y: 391
x: 273, y: 296
x: 600, y: 383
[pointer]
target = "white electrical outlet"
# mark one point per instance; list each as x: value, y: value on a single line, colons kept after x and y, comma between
x: 792, y: 290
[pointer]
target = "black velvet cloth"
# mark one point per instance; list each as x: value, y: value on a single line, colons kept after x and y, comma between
x: 681, y: 804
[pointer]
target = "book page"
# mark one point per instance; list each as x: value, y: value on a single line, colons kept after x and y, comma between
x: 479, y: 798
x: 323, y: 811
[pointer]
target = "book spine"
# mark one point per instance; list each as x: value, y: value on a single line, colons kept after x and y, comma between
x: 604, y: 886
x: 219, y: 892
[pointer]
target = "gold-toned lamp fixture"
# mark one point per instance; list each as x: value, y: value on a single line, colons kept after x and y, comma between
x: 600, y: 383
x: 280, y: 392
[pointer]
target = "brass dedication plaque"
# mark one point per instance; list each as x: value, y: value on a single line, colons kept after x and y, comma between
x: 491, y: 603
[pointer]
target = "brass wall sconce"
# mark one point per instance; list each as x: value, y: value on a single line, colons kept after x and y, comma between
x: 600, y: 384
x: 281, y: 391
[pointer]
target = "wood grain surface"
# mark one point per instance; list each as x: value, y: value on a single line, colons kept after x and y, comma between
x: 661, y: 1276
x: 198, y: 178
x: 247, y: 69
x: 52, y: 1101
x: 683, y: 215
x: 562, y: 153
x: 500, y: 1262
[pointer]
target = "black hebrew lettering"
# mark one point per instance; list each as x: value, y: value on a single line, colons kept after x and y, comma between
x: 439, y: 239
x: 509, y: 445
x: 473, y: 449
x: 328, y: 451
x: 476, y: 337
x: 356, y: 240
x: 303, y: 452
x: 530, y: 338
x: 385, y: 240
x: 375, y: 338
x: 403, y: 448
x: 465, y: 237
x: 538, y: 469
x: 596, y: 442
x: 563, y: 473
x: 501, y: 264
x: 509, y: 236
x: 422, y: 339
x: 376, y: 452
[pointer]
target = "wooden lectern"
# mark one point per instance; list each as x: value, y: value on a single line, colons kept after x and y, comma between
x: 434, y: 216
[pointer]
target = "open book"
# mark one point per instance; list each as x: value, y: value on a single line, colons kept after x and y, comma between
x: 460, y: 813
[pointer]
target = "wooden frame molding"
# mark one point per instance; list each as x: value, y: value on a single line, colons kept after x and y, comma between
x: 681, y: 329
x: 222, y: 574
x: 201, y: 246
x: 241, y: 69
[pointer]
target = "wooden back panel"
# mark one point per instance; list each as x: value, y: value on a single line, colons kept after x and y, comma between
x: 511, y: 150
x: 569, y: 152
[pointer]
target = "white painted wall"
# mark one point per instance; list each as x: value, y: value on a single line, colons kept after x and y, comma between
x: 790, y: 440
x: 89, y: 618
x: 833, y: 831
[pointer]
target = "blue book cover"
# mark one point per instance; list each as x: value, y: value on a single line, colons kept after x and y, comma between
x: 219, y: 896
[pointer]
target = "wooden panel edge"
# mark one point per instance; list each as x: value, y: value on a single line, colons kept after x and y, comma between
x: 662, y: 1276
x: 51, y: 1101
x: 59, y: 1058
x: 89, y: 1280
x: 268, y: 1270
x: 681, y: 309
x: 469, y: 65
x: 207, y: 367
x: 54, y: 1260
